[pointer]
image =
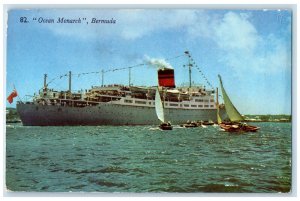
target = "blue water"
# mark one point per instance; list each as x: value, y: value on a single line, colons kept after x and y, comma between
x: 142, y: 159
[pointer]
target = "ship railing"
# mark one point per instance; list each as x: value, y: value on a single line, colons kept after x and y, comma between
x: 24, y: 102
x: 67, y: 102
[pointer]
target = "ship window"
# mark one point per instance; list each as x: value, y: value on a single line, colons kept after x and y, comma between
x: 211, y: 105
x: 206, y: 105
x: 140, y: 102
x: 193, y: 105
x: 54, y: 95
x: 212, y: 100
x: 200, y: 105
x: 198, y: 100
x: 186, y: 105
x: 149, y: 103
x: 128, y: 101
x: 166, y: 104
x: 206, y: 101
x: 172, y: 104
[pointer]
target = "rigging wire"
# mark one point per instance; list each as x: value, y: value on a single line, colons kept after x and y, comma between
x: 205, y: 78
x: 134, y: 66
x: 193, y: 64
x: 108, y: 70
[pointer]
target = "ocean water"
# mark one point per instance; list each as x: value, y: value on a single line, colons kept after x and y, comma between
x: 143, y: 159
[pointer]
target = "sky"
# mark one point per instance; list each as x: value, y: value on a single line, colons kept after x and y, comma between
x: 250, y: 49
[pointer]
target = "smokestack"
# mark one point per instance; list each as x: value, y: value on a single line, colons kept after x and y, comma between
x: 166, y: 77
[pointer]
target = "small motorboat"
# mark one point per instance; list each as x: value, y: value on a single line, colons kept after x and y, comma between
x: 230, y: 127
x: 189, y: 124
x: 238, y: 127
x: 165, y: 126
x: 249, y: 128
x: 208, y: 123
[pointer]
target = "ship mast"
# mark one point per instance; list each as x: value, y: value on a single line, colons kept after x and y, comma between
x: 129, y: 79
x: 102, y: 74
x: 190, y: 65
x: 45, y: 82
x: 190, y: 72
x: 70, y: 83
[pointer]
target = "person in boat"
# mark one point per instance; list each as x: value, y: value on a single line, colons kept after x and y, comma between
x: 194, y: 123
x: 166, y: 123
x: 189, y: 124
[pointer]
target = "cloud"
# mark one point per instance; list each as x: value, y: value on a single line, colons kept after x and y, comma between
x: 244, y: 49
x: 241, y: 47
x: 134, y: 24
x: 235, y: 32
x: 271, y: 55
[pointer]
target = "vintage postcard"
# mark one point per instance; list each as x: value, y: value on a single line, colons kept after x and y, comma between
x: 149, y: 100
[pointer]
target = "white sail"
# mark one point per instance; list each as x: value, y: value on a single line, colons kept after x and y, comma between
x: 159, y: 107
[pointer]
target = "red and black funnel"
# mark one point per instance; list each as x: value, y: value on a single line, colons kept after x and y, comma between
x: 166, y: 77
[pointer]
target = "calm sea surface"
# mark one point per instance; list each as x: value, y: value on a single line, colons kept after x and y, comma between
x: 142, y: 159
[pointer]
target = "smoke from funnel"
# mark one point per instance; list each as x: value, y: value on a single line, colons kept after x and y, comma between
x: 158, y: 63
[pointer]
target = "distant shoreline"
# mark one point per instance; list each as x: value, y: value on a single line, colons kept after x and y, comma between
x: 268, y: 118
x: 269, y: 121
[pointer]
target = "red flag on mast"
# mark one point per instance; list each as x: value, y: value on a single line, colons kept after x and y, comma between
x: 11, y: 97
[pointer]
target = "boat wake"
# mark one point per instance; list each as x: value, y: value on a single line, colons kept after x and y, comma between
x: 154, y: 129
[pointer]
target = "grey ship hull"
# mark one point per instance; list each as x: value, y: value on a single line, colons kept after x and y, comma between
x: 105, y: 114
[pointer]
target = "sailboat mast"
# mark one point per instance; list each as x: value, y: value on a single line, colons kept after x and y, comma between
x: 163, y: 102
x: 217, y: 98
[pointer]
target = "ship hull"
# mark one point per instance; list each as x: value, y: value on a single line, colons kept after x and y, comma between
x: 106, y: 114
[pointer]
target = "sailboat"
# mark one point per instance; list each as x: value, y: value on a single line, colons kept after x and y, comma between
x: 235, y: 117
x: 159, y: 109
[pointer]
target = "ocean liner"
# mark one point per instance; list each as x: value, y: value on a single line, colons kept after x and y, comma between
x: 120, y: 104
